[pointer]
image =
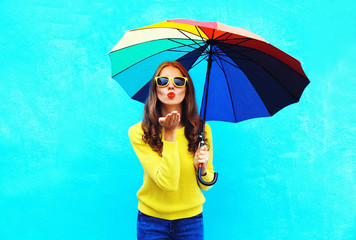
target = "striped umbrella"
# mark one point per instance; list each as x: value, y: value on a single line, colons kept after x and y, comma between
x: 246, y: 77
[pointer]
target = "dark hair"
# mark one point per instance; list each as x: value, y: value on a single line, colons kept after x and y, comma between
x: 189, y: 116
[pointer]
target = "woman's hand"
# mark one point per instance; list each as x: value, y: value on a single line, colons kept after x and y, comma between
x: 170, y: 121
x: 170, y: 124
x: 202, y: 156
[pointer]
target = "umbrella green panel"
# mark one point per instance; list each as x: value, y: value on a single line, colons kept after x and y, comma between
x: 137, y: 75
x: 124, y: 58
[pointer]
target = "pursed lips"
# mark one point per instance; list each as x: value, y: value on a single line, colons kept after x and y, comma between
x: 171, y: 94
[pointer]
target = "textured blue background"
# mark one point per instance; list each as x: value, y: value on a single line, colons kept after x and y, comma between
x: 67, y: 169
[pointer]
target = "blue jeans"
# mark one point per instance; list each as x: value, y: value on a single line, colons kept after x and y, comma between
x: 151, y: 228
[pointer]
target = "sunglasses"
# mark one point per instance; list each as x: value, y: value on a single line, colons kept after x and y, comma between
x: 163, y: 81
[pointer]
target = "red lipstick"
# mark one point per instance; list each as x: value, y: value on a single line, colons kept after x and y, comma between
x: 171, y: 94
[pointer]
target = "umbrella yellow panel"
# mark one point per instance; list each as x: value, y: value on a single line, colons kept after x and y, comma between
x: 186, y: 27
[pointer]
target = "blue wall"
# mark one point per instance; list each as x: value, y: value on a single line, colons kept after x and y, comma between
x: 67, y: 169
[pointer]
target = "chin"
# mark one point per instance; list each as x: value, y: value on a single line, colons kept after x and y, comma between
x: 173, y: 102
x: 168, y: 101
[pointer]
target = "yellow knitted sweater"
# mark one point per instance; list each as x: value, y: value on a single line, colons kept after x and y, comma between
x: 170, y: 188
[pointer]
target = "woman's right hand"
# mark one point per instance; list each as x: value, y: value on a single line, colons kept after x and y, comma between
x: 171, y: 121
x: 170, y: 124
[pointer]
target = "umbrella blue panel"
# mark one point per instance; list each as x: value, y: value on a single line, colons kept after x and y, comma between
x: 283, y: 73
x: 269, y: 86
x: 219, y: 104
x: 189, y: 59
x: 247, y: 103
x: 231, y: 96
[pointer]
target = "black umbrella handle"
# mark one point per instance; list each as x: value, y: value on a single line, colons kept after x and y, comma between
x: 199, y: 170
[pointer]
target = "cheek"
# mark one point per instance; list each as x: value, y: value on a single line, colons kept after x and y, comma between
x: 160, y: 93
x: 182, y: 93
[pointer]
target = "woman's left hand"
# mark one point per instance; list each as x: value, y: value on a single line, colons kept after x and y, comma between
x: 202, y: 156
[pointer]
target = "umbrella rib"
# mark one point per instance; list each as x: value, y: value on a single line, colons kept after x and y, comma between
x: 206, y: 51
x: 254, y: 49
x: 228, y: 86
x: 274, y: 77
x: 205, y: 34
x: 221, y: 53
x: 215, y: 57
x: 199, y: 32
x: 217, y: 51
x: 228, y: 38
x: 243, y: 40
x: 223, y: 35
x: 236, y: 66
x: 251, y: 84
x: 217, y: 63
x: 240, y: 58
x: 171, y: 50
x: 182, y: 43
x: 152, y: 40
x: 199, y: 61
x: 188, y: 37
x: 188, y: 57
x: 143, y: 60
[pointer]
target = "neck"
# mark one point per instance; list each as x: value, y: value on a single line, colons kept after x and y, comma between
x: 166, y: 109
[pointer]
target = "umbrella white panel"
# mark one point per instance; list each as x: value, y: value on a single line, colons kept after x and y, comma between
x: 146, y: 35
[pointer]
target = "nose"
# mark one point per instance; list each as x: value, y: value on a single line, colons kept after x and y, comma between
x: 170, y: 85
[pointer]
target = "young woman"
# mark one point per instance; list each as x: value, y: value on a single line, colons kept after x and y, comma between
x: 167, y: 144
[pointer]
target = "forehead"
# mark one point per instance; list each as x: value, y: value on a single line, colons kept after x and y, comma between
x: 170, y: 71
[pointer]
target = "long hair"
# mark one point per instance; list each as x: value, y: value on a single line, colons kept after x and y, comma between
x: 189, y: 116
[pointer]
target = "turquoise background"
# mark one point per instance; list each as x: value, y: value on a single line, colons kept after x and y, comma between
x: 67, y: 169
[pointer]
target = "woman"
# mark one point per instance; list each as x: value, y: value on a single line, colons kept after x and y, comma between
x: 167, y: 145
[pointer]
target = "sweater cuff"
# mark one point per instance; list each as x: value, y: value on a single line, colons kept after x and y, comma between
x: 208, y: 177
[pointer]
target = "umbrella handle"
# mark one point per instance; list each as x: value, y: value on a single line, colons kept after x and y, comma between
x: 202, y: 181
x: 199, y: 172
x: 210, y: 60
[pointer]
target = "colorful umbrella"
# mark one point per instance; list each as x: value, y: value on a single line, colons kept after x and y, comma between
x: 246, y: 77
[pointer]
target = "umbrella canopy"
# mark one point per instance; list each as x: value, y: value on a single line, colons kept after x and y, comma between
x: 248, y: 77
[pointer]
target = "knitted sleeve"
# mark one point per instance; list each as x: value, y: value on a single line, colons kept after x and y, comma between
x: 164, y: 171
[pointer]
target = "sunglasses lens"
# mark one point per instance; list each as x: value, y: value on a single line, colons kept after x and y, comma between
x: 179, y: 81
x: 162, y: 81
